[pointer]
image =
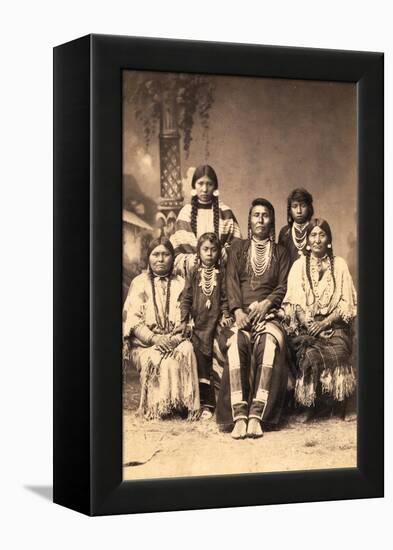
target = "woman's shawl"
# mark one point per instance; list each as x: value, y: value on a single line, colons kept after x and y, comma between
x: 185, y: 242
x: 139, y: 318
x: 299, y: 292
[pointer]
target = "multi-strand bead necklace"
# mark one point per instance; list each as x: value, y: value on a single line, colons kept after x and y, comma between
x: 208, y: 282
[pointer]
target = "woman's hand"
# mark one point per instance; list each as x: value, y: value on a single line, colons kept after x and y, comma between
x: 258, y: 311
x: 241, y: 319
x: 163, y: 343
x: 315, y: 327
x: 275, y: 314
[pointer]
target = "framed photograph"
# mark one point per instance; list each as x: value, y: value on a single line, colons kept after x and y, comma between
x: 218, y: 275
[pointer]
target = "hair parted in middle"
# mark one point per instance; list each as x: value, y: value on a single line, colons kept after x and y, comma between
x: 323, y: 224
x: 263, y: 202
x: 157, y: 242
x: 164, y: 241
x: 213, y: 239
x: 300, y: 195
x: 200, y: 171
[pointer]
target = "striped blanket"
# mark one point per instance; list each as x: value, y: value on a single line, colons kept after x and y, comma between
x: 185, y: 241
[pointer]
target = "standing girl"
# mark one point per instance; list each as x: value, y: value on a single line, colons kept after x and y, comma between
x: 206, y: 213
x: 203, y: 303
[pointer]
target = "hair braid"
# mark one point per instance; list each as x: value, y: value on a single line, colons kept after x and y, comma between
x: 216, y: 216
x: 308, y: 272
x: 331, y: 257
x: 165, y: 325
x: 194, y: 214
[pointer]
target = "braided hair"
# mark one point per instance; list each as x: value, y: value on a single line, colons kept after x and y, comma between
x: 262, y: 202
x: 200, y: 171
x: 301, y: 195
x: 168, y: 245
x: 213, y: 239
x: 323, y: 224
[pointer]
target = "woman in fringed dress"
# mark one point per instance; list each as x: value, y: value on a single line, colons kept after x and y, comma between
x: 205, y: 214
x: 319, y: 309
x: 165, y: 360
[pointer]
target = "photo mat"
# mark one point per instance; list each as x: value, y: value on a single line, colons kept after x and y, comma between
x: 264, y: 138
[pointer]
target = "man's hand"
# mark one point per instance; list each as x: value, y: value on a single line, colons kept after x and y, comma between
x: 241, y: 319
x: 258, y: 311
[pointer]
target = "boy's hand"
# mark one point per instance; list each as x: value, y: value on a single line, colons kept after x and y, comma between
x: 226, y: 321
x: 181, y: 329
x: 241, y: 319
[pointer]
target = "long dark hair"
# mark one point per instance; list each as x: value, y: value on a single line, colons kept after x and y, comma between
x: 269, y: 206
x: 157, y: 242
x: 301, y: 195
x: 200, y: 171
x: 168, y: 245
x: 211, y: 237
x: 323, y: 224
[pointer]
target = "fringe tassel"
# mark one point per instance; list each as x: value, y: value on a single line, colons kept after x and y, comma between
x: 167, y: 386
x: 339, y: 384
x: 305, y: 393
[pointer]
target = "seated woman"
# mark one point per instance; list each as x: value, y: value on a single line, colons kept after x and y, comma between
x: 165, y: 360
x: 319, y: 309
x: 205, y: 214
x: 255, y: 374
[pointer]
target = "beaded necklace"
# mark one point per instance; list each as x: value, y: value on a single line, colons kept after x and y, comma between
x: 260, y: 256
x: 208, y: 282
x: 162, y: 324
x: 301, y: 228
x: 316, y: 267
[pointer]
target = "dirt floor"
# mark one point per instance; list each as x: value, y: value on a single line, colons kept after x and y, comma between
x: 176, y: 447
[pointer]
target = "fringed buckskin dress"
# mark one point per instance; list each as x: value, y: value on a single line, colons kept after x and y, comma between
x: 323, y: 361
x: 167, y: 383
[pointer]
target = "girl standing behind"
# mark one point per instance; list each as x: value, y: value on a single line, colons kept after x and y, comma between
x: 206, y: 213
x: 203, y: 303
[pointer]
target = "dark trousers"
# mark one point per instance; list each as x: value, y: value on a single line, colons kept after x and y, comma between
x: 205, y: 377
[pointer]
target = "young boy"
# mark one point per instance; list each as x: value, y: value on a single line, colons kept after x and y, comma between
x: 204, y: 303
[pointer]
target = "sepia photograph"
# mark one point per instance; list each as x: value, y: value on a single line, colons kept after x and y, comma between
x: 239, y: 223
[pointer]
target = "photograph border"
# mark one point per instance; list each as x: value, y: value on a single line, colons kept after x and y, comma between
x: 88, y: 274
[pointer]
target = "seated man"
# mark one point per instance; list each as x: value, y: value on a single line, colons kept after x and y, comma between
x: 255, y: 374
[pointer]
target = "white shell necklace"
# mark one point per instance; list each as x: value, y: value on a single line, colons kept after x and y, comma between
x: 208, y: 282
x: 316, y: 267
x: 260, y: 256
x: 299, y: 242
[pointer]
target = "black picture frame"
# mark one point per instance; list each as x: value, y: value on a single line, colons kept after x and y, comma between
x: 88, y: 275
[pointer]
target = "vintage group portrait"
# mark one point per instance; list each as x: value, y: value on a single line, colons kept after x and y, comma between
x: 239, y: 274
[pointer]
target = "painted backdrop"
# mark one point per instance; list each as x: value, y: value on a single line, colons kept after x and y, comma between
x: 265, y: 137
